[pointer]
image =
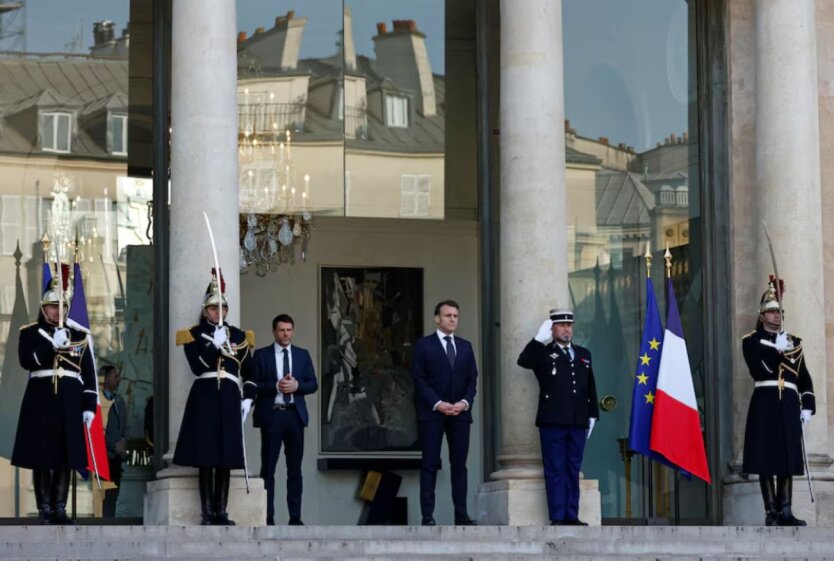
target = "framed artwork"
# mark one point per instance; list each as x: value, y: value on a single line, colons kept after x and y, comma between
x: 370, y: 319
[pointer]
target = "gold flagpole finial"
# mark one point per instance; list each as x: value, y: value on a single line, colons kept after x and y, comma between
x: 45, y: 244
x: 648, y: 256
x: 668, y: 257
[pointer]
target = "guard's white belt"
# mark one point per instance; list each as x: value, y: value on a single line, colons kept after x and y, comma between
x: 775, y: 383
x: 57, y: 372
x: 215, y: 374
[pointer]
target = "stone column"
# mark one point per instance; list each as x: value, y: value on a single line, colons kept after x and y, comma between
x: 788, y: 200
x: 204, y: 178
x: 533, y: 250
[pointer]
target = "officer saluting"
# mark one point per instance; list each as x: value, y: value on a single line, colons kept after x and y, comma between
x: 567, y: 410
x: 780, y: 407
x: 211, y: 434
x: 60, y: 398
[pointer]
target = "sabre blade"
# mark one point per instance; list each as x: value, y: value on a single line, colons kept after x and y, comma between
x: 216, y: 268
x: 775, y: 275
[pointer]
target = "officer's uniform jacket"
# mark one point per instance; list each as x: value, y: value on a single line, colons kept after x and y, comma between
x: 567, y: 391
x: 783, y: 386
x: 210, y: 433
x: 61, y: 386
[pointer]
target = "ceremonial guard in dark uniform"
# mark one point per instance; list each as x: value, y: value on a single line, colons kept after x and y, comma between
x: 567, y: 410
x: 60, y: 398
x: 211, y: 434
x: 780, y: 407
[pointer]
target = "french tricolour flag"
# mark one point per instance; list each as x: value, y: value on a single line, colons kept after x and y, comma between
x: 676, y: 424
x: 78, y: 318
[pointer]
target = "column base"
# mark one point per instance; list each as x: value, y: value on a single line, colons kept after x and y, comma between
x: 173, y: 499
x: 743, y: 505
x: 522, y: 502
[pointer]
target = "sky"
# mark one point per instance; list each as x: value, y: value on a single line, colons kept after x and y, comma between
x: 625, y: 60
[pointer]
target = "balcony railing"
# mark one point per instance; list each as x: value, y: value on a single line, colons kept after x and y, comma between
x: 267, y: 117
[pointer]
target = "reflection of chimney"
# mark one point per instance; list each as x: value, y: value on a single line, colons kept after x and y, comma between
x: 603, y: 140
x: 347, y: 41
x: 241, y: 37
x: 685, y: 137
x: 103, y: 32
x: 279, y: 46
x: 401, y: 56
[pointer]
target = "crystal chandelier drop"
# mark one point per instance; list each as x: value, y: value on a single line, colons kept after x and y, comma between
x: 275, y: 219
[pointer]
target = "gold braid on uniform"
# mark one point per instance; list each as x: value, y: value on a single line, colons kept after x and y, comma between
x: 61, y: 358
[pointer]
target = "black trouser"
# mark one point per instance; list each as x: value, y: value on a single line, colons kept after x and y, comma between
x: 431, y: 442
x: 108, y: 507
x: 285, y: 428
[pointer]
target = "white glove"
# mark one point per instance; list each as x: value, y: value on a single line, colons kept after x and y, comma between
x: 805, y: 417
x: 545, y: 334
x: 591, y: 422
x: 220, y: 337
x: 61, y: 338
x: 245, y: 406
x: 782, y: 342
x: 87, y: 417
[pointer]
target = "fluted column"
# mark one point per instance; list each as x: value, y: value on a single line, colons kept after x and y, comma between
x: 788, y: 177
x: 204, y: 178
x: 533, y: 238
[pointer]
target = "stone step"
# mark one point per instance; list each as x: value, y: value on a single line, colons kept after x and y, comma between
x: 409, y: 543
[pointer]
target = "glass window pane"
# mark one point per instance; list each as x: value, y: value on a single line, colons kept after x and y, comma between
x: 631, y: 169
x: 62, y: 134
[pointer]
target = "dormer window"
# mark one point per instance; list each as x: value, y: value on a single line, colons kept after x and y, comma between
x: 56, y: 128
x: 117, y: 135
x: 396, y: 110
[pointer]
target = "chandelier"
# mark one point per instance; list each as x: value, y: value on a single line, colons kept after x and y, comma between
x: 275, y: 219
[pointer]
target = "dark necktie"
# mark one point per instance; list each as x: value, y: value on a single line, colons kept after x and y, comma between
x: 286, y: 371
x: 450, y: 350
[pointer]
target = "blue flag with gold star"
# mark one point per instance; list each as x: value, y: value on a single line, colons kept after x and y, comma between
x: 645, y: 380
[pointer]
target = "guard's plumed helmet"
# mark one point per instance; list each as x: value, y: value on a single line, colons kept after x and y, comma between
x: 52, y: 294
x: 215, y: 295
x: 770, y: 298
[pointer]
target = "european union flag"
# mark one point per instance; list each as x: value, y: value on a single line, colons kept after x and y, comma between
x: 645, y: 380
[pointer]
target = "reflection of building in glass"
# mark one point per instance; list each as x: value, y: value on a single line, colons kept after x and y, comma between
x: 67, y: 117
x: 368, y: 131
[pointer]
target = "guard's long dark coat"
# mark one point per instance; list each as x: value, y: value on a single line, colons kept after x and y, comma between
x: 50, y: 430
x: 567, y: 391
x: 772, y: 439
x: 210, y: 433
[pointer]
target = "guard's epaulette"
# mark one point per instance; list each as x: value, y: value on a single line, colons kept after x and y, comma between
x: 749, y: 334
x: 22, y: 327
x: 250, y: 338
x: 184, y: 337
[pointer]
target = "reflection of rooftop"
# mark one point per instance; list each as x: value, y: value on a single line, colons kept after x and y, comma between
x: 622, y: 199
x: 82, y: 86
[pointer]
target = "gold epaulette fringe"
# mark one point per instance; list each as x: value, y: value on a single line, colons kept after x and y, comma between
x: 748, y: 335
x: 22, y: 327
x: 184, y: 337
x: 250, y: 338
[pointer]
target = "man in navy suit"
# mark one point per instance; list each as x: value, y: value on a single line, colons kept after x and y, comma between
x: 445, y: 375
x: 285, y: 374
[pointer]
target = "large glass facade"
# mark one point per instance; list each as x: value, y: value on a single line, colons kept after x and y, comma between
x: 75, y: 165
x: 632, y: 183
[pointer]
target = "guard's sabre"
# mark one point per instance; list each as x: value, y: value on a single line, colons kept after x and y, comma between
x: 93, y: 455
x: 776, y: 276
x: 216, y: 268
x: 246, y: 464
x: 807, y: 469
x: 220, y: 323
x: 59, y: 272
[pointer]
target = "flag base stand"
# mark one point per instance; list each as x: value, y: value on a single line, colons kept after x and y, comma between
x: 522, y: 502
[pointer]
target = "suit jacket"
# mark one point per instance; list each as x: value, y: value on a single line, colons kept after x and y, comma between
x: 567, y: 391
x: 267, y: 377
x: 435, y: 380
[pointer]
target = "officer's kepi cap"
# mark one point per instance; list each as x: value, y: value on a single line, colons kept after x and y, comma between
x: 561, y: 315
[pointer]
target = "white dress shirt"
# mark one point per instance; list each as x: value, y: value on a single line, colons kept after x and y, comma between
x: 279, y: 365
x: 568, y: 350
x: 443, y: 342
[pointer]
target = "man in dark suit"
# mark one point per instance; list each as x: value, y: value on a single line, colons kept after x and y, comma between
x: 285, y: 374
x: 567, y: 410
x: 445, y: 375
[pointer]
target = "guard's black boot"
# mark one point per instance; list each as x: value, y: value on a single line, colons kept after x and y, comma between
x: 41, y: 480
x: 768, y: 487
x: 784, y: 492
x: 207, y: 513
x: 221, y: 497
x: 60, y: 492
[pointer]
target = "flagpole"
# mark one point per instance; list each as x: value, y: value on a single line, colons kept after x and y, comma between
x: 677, y: 481
x: 647, y: 462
